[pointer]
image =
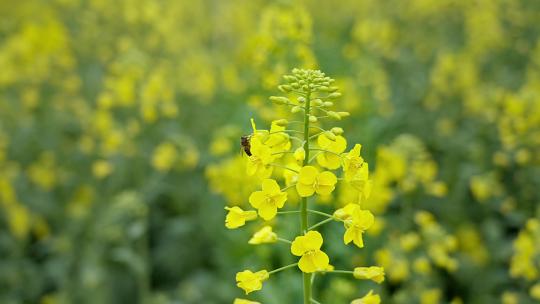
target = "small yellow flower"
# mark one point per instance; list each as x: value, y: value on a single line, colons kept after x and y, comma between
x: 374, y: 273
x: 308, y: 247
x: 263, y: 236
x: 352, y: 162
x: 346, y: 212
x: 311, y: 181
x: 360, y: 221
x: 164, y: 157
x: 331, y: 160
x: 101, y: 168
x: 249, y: 281
x: 535, y: 291
x: 369, y: 298
x: 269, y: 199
x: 260, y: 159
x: 238, y: 217
x: 361, y: 182
x: 244, y: 301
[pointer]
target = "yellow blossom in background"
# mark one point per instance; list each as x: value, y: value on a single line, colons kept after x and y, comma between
x: 509, y: 297
x: 164, y: 157
x: 250, y: 281
x: 430, y: 296
x: 311, y: 181
x: 238, y: 217
x: 268, y: 200
x: 374, y: 273
x: 263, y: 236
x: 369, y: 298
x: 101, y: 168
x: 308, y: 247
x: 534, y: 291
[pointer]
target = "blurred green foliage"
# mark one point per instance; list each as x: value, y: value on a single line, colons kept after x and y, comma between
x: 117, y: 118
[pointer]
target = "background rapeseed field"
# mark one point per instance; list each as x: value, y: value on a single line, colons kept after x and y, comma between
x: 120, y: 125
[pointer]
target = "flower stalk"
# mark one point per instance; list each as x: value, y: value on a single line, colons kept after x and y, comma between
x: 304, y: 204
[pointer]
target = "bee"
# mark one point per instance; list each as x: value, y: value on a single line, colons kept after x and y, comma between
x: 245, y: 143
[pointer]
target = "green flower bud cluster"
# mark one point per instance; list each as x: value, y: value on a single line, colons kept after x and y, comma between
x: 316, y: 86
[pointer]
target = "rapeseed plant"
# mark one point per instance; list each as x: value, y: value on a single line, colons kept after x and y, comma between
x: 316, y: 153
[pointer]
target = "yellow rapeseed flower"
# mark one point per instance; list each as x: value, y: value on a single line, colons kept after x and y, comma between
x: 308, y: 247
x: 164, y: 157
x: 374, y: 273
x: 260, y: 159
x: 263, y: 236
x: 250, y: 281
x: 331, y: 160
x: 269, y: 199
x: 360, y: 221
x: 244, y: 301
x: 369, y: 298
x: 311, y: 181
x: 238, y: 217
x: 352, y: 162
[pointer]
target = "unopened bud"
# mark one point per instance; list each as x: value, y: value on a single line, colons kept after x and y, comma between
x: 312, y: 118
x: 337, y: 130
x: 299, y: 154
x: 323, y: 89
x: 279, y: 99
x: 317, y: 102
x: 334, y: 115
x: 330, y: 135
x: 296, y: 109
x: 334, y: 95
x: 285, y: 88
x: 281, y: 122
x: 301, y: 99
x: 332, y: 89
x: 328, y: 104
x: 344, y: 114
x: 289, y: 78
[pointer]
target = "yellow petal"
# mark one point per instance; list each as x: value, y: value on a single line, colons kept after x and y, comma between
x: 363, y: 218
x: 355, y: 151
x: 325, y: 190
x: 270, y: 186
x: 257, y: 198
x: 313, y: 240
x: 280, y: 199
x: 349, y: 235
x: 306, y: 264
x: 267, y: 211
x: 304, y: 190
x: 326, y: 178
x: 297, y: 246
x: 307, y: 175
x: 321, y: 260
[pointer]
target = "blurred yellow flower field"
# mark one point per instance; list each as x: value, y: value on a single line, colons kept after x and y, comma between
x: 124, y: 179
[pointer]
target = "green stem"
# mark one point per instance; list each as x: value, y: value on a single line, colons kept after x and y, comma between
x: 320, y: 223
x: 339, y: 271
x: 303, y: 207
x: 288, y: 187
x: 323, y: 214
x: 282, y: 268
x: 284, y: 240
x: 288, y: 212
x: 283, y: 167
